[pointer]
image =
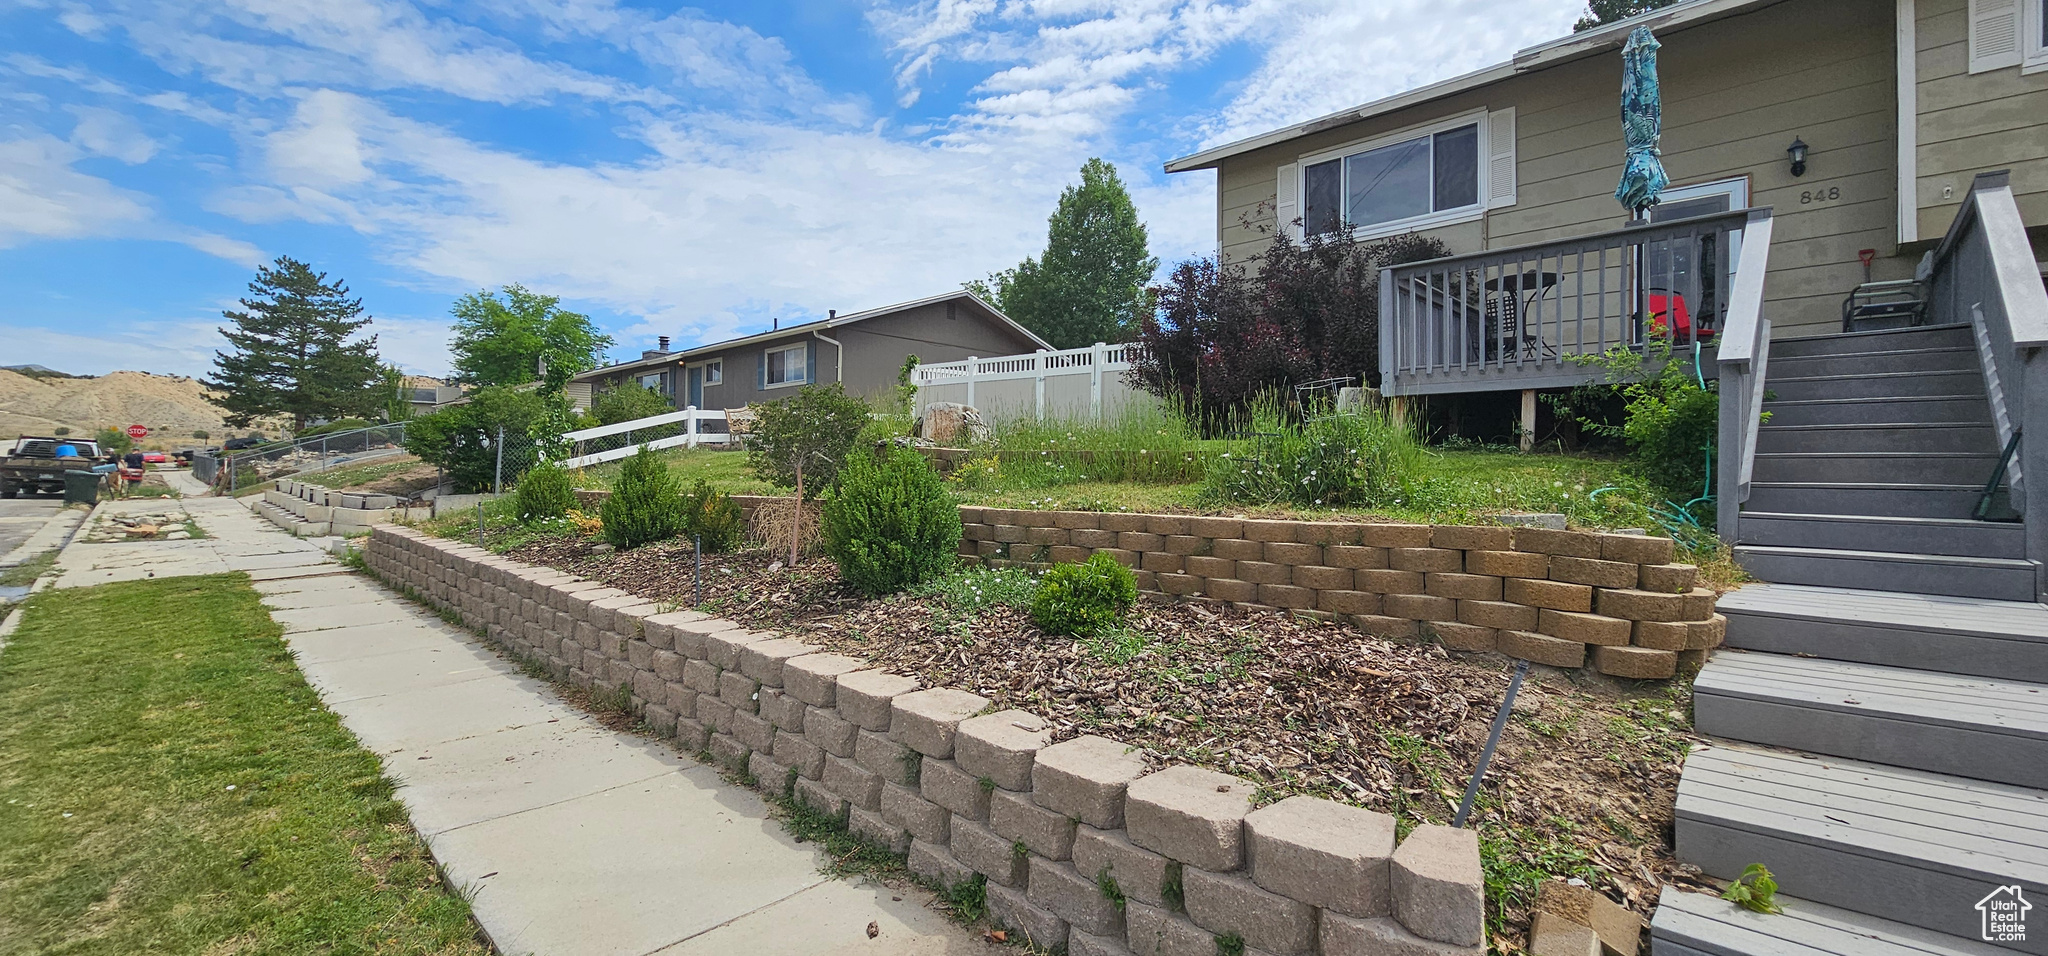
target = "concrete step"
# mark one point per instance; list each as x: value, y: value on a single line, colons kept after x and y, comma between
x: 1886, y: 340
x: 1958, y: 536
x: 1866, y: 410
x: 1918, y: 848
x: 1787, y: 386
x: 1999, y: 579
x: 1848, y: 498
x: 1945, y: 359
x: 1938, y: 468
x: 1949, y: 635
x: 1702, y: 924
x: 1879, y: 437
x: 1977, y: 727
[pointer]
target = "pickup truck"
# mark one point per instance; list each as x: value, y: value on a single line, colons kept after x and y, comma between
x: 32, y: 465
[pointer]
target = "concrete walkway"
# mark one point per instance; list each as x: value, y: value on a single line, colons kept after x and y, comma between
x: 574, y: 839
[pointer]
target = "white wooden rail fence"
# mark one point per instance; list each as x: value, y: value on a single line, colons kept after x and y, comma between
x: 693, y: 435
x: 1056, y: 379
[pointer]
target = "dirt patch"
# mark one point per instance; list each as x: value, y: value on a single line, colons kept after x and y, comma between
x: 1583, y: 783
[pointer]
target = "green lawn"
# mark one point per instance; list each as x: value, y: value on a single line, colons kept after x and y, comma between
x: 170, y: 784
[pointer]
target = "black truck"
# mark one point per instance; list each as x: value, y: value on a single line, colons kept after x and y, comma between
x: 32, y: 464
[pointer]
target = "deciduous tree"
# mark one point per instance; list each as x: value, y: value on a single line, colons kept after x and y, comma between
x: 1090, y: 283
x: 501, y: 338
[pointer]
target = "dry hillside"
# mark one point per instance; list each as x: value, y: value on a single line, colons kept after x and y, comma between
x: 171, y: 407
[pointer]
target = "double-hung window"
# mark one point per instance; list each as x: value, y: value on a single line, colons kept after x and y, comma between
x: 714, y: 372
x: 1410, y: 180
x: 786, y: 366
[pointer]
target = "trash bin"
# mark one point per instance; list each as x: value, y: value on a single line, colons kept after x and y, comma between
x: 81, y: 487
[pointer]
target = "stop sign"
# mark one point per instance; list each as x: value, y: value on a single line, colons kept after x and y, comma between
x: 138, y: 431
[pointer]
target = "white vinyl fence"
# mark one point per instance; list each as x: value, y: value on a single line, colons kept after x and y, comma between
x: 621, y: 443
x: 1072, y: 383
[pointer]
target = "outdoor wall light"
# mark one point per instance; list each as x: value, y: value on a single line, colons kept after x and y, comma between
x: 1797, y: 151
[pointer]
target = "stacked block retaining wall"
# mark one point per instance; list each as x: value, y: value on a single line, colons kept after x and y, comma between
x: 1079, y: 844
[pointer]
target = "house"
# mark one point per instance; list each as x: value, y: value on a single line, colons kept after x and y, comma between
x: 424, y: 393
x: 864, y: 351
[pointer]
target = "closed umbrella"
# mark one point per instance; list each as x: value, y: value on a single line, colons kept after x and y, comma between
x: 1642, y: 123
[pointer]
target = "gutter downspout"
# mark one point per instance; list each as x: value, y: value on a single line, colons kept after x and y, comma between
x: 839, y: 360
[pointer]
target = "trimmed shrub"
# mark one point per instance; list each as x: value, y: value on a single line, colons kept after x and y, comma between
x: 711, y: 517
x: 889, y: 522
x: 815, y: 429
x: 1086, y: 598
x: 544, y: 493
x: 645, y: 504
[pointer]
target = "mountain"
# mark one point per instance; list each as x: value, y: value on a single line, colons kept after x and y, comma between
x: 172, y: 407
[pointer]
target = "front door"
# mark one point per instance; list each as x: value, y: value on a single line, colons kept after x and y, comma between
x: 1682, y: 266
x: 696, y: 388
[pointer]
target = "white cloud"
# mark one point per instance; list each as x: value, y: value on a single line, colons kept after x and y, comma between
x: 42, y: 197
x: 107, y: 133
x: 167, y: 348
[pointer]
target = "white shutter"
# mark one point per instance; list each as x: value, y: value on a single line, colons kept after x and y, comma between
x: 1500, y: 158
x: 1994, y: 34
x: 1286, y: 201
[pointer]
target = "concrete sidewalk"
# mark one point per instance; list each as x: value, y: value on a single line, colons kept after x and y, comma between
x: 575, y: 839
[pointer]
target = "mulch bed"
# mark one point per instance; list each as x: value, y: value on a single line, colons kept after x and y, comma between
x: 1582, y: 785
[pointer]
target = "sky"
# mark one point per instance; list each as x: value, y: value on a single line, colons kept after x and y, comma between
x: 693, y: 172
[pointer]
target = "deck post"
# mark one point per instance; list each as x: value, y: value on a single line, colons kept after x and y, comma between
x: 1528, y: 436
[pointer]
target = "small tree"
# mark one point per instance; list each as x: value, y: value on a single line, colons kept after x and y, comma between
x: 889, y: 523
x: 113, y: 441
x: 712, y: 519
x: 645, y: 504
x: 802, y: 441
x: 1599, y: 13
x: 544, y: 493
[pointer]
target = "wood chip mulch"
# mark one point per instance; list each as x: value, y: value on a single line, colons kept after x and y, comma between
x: 1582, y: 785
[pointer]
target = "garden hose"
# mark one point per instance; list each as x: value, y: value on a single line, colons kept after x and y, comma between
x: 1677, y: 519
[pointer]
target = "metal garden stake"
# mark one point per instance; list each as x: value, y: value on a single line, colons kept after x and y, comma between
x: 1500, y: 723
x: 498, y: 476
x: 697, y: 577
x: 480, y: 524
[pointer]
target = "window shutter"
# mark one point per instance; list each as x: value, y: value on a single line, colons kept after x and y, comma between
x: 761, y: 366
x: 810, y: 362
x: 1994, y: 34
x: 1500, y: 158
x: 1287, y: 202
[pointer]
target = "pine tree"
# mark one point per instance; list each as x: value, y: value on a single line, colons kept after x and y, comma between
x: 292, y: 353
x: 1600, y: 13
x: 1089, y: 286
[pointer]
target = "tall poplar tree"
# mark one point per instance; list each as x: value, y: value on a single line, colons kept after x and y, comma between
x: 1089, y: 286
x: 292, y: 350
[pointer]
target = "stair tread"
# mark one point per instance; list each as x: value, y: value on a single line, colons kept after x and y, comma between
x: 1710, y: 925
x: 1870, y: 425
x: 1994, y: 527
x: 1900, y: 485
x: 1913, y: 350
x: 1868, y: 400
x: 1984, y: 617
x: 1970, y: 828
x: 1892, y: 556
x: 1873, y: 333
x: 1979, y: 704
x: 1772, y: 376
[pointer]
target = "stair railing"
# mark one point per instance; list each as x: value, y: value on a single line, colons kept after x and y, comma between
x: 1745, y: 352
x: 1983, y: 273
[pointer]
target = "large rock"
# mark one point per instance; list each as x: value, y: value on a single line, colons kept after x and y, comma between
x: 951, y: 424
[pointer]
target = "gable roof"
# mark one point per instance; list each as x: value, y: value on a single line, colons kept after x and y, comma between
x: 1539, y: 57
x: 817, y: 325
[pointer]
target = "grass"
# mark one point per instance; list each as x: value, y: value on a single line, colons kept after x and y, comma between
x: 26, y: 573
x: 170, y: 784
x: 357, y: 475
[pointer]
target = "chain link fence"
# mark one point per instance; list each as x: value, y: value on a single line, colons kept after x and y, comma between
x: 235, y: 470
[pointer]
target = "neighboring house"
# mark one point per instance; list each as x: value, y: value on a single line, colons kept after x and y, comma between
x: 863, y: 351
x: 1899, y: 102
x: 425, y: 393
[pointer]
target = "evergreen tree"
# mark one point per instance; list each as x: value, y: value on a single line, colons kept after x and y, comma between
x: 502, y: 341
x: 292, y: 353
x: 1599, y: 13
x: 1089, y: 286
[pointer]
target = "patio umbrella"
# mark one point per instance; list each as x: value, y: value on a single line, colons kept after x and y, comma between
x: 1642, y: 122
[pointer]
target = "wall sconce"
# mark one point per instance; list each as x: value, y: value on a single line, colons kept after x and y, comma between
x: 1797, y: 151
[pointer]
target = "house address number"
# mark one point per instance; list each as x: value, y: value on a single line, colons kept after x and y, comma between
x: 1811, y: 196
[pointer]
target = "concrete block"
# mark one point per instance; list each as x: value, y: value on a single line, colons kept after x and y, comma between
x: 1001, y: 746
x: 1707, y: 634
x: 1638, y: 605
x: 1667, y: 578
x: 1086, y: 778
x: 817, y: 796
x: 1419, y: 607
x: 1541, y: 649
x: 1439, y: 892
x: 823, y: 726
x: 763, y: 660
x: 1553, y: 935
x: 667, y: 665
x: 1425, y: 559
x: 1390, y: 581
x: 905, y: 807
x: 1190, y: 814
x: 885, y: 758
x: 1499, y: 615
x: 1287, y: 596
x: 869, y: 826
x: 660, y: 719
x: 1463, y: 637
x: 1637, y: 548
x: 1152, y: 931
x: 715, y: 713
x: 728, y: 752
x: 1635, y: 663
x: 989, y: 854
x: 861, y: 787
x: 1619, y: 930
x: 1555, y: 595
x: 927, y: 720
x: 1584, y: 628
x: 1391, y: 535
x: 1508, y: 564
x: 944, y: 783
x: 691, y: 735
x: 1139, y: 873
x: 771, y: 776
x: 739, y: 690
x: 1045, y: 832
x: 1472, y: 537
x: 1073, y: 896
x: 1323, y: 853
x: 1080, y: 943
x: 1229, y: 904
x: 864, y: 697
x: 1009, y: 908
x: 723, y: 648
x: 814, y: 678
x: 1462, y: 587
x: 1662, y: 635
x: 782, y: 710
x: 700, y: 676
x: 808, y: 758
x: 934, y: 862
x: 1345, y: 936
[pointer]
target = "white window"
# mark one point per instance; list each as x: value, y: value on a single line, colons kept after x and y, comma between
x: 651, y: 380
x: 714, y: 372
x: 1424, y: 177
x: 2034, y: 33
x: 786, y: 365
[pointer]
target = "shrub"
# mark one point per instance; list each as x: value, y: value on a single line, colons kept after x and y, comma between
x: 459, y: 438
x: 628, y: 402
x: 1328, y: 461
x: 1086, y: 598
x: 712, y: 518
x: 544, y: 493
x: 1670, y: 417
x: 889, y: 522
x: 200, y: 434
x: 812, y: 430
x: 645, y: 504
x: 60, y: 431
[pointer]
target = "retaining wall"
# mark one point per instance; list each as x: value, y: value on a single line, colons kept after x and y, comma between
x: 1080, y: 843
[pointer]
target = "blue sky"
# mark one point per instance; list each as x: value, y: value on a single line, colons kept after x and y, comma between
x: 681, y: 171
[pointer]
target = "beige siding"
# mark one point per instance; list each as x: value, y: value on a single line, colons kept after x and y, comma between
x: 1973, y: 123
x: 1736, y: 93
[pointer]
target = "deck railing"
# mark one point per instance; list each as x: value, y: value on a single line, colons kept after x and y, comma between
x: 1743, y: 356
x: 1520, y: 318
